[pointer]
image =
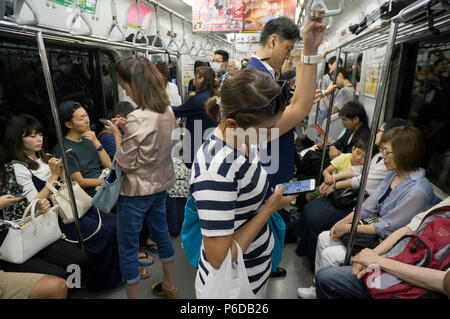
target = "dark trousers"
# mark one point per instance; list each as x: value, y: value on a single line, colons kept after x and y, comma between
x: 317, y: 216
x: 52, y: 260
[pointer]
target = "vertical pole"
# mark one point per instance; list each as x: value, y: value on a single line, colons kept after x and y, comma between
x: 330, y: 108
x: 375, y: 122
x: 51, y: 95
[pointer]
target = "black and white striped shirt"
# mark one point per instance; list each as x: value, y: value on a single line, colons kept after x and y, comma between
x: 229, y: 189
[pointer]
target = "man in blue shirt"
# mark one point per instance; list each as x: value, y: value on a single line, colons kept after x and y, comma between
x: 277, y: 40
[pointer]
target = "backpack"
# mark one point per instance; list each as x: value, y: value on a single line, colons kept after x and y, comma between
x: 191, y: 236
x: 428, y: 247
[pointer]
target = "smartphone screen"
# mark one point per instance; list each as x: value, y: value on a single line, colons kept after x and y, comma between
x: 299, y: 187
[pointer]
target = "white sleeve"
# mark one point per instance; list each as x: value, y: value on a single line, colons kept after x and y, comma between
x: 24, y: 178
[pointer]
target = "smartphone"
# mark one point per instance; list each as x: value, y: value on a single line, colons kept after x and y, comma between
x: 103, y: 121
x: 21, y: 194
x: 299, y: 187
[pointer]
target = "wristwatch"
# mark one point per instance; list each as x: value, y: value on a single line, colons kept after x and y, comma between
x: 100, y: 148
x: 322, y: 92
x: 311, y: 59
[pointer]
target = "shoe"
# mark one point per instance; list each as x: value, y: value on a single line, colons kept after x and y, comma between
x: 307, y: 293
x: 145, y: 273
x: 151, y: 248
x: 157, y: 290
x: 281, y: 272
x: 143, y: 264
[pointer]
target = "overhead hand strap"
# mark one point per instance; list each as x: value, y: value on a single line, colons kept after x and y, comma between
x: 172, y: 35
x: 183, y: 44
x: 139, y: 31
x: 18, y: 6
x: 158, y: 27
x: 80, y: 14
x: 115, y: 24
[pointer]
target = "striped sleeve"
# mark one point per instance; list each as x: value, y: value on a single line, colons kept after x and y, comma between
x: 216, y: 203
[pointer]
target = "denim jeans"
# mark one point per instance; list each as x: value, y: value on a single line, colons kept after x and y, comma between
x: 339, y: 283
x: 131, y: 213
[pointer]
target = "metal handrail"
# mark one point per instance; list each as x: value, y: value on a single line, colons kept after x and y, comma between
x: 115, y: 24
x: 18, y: 6
x: 373, y: 131
x: 139, y: 30
x: 79, y: 14
x: 59, y: 135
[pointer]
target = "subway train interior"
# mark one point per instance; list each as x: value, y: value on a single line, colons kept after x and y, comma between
x: 393, y: 59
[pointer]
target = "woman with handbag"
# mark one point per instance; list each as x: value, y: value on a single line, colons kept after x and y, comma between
x: 403, y: 194
x: 52, y: 260
x: 36, y: 171
x: 322, y: 213
x: 145, y: 158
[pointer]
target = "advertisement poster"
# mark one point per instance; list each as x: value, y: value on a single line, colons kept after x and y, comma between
x: 217, y: 15
x: 88, y: 6
x: 371, y: 74
x: 259, y: 12
x: 145, y: 12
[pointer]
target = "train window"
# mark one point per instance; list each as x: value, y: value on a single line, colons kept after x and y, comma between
x: 109, y: 82
x: 429, y: 110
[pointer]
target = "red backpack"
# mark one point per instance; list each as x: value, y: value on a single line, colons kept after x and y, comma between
x: 428, y: 247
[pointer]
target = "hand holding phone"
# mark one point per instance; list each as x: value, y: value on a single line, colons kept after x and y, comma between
x: 103, y: 121
x: 299, y: 187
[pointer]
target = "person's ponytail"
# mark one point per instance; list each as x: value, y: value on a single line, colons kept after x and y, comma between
x: 213, y: 108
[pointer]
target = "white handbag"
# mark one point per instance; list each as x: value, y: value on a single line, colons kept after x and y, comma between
x: 229, y: 282
x: 29, y: 235
x: 61, y: 198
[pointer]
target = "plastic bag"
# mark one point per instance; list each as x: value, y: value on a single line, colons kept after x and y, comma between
x: 229, y: 282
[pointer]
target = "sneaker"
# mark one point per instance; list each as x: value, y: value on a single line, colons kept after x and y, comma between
x: 307, y: 293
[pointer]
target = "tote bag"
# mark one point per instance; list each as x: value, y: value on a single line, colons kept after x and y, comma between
x: 61, y: 198
x: 108, y: 194
x: 29, y: 235
x: 229, y: 282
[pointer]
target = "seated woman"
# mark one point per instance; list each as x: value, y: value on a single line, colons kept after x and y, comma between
x: 321, y: 214
x: 354, y: 119
x: 194, y: 109
x: 404, y: 193
x: 344, y: 282
x: 87, y: 157
x: 33, y: 168
x: 53, y: 259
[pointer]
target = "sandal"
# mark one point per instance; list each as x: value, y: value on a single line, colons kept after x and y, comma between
x: 157, y: 290
x: 145, y: 273
x: 144, y: 264
x: 152, y: 248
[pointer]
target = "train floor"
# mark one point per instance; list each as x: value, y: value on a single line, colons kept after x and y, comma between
x: 298, y: 275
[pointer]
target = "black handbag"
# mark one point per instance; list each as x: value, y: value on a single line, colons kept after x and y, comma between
x: 345, y: 199
x: 361, y: 241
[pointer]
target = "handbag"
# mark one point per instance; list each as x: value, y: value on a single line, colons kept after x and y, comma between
x: 30, y: 234
x: 61, y: 198
x: 345, y: 199
x: 229, y: 282
x: 361, y: 241
x: 106, y: 197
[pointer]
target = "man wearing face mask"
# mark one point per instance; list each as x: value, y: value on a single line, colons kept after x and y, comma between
x: 69, y: 85
x: 220, y: 66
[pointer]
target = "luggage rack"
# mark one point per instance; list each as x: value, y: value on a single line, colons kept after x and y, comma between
x: 409, y: 24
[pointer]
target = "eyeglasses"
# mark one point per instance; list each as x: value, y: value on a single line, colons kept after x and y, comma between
x: 384, y: 152
x: 274, y: 105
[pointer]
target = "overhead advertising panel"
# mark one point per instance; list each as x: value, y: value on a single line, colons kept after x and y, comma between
x: 217, y: 15
x: 88, y: 6
x: 259, y: 12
